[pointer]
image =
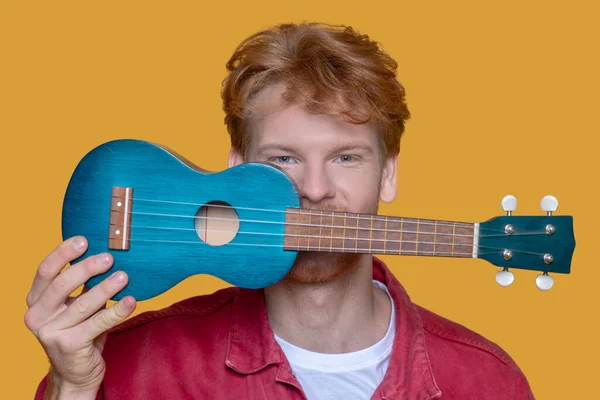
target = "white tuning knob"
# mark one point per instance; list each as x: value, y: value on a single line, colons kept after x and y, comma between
x: 505, y: 277
x: 549, y: 204
x: 509, y: 203
x: 544, y: 282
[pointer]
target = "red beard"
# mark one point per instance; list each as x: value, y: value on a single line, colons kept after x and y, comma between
x: 320, y: 267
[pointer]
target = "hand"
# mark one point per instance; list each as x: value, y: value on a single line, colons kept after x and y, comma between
x: 72, y: 330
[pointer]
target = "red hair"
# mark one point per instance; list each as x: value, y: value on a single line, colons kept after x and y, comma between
x: 326, y: 69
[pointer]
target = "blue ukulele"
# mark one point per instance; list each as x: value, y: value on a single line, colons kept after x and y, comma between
x: 164, y: 219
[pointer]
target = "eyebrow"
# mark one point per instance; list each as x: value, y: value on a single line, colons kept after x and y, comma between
x: 356, y: 146
x: 282, y: 147
x: 274, y: 146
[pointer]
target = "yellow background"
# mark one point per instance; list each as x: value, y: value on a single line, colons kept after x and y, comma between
x: 504, y: 97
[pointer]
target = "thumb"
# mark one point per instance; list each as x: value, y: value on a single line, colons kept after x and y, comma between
x: 99, y: 342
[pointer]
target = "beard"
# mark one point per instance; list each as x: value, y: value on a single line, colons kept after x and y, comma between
x: 317, y: 267
x: 320, y: 267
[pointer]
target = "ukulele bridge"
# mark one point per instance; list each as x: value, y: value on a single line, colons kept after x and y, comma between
x: 120, y: 218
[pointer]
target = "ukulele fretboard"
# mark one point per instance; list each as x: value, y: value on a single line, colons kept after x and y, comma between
x: 344, y: 232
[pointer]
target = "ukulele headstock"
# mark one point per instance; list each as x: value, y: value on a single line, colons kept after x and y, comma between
x: 536, y: 243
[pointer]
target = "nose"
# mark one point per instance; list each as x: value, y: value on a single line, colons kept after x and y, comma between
x: 315, y: 184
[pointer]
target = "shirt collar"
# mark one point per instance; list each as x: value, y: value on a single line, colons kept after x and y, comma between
x: 409, y: 374
x: 252, y: 345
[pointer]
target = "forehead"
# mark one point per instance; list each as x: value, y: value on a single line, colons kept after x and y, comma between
x: 277, y: 121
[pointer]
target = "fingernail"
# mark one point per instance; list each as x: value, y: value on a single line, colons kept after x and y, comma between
x: 128, y: 302
x: 104, y: 259
x: 78, y: 243
x: 118, y: 277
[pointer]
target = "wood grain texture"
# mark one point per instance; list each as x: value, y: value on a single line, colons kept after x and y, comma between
x: 164, y: 247
x: 345, y: 232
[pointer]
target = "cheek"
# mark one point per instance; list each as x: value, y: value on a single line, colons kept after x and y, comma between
x: 294, y: 172
x: 360, y: 187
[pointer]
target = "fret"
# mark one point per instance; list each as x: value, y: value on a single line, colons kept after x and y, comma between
x: 434, y: 236
x: 356, y: 242
x: 364, y: 233
x: 352, y: 234
x: 417, y: 239
x: 331, y: 235
x: 464, y: 239
x: 392, y: 235
x: 298, y: 231
x: 290, y: 240
x: 320, y: 224
x: 303, y: 229
x: 378, y: 232
x: 426, y: 238
x: 401, y: 233
x: 371, y: 235
x: 309, y: 230
x: 409, y: 236
x: 344, y: 235
x: 444, y: 238
x: 337, y: 232
x: 385, y: 236
x: 453, y: 236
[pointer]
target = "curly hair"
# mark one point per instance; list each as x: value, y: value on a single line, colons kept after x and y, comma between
x: 326, y: 69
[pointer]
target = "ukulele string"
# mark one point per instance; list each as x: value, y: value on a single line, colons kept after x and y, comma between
x: 367, y: 229
x: 299, y: 211
x: 308, y: 236
x: 357, y: 239
x: 307, y: 248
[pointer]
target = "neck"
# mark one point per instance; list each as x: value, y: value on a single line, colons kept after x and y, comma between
x: 340, y: 316
x: 334, y: 231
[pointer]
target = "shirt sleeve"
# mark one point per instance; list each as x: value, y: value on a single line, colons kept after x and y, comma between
x: 523, y: 390
x: 41, y: 389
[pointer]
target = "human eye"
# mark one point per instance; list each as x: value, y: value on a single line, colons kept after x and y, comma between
x: 345, y: 158
x: 282, y: 160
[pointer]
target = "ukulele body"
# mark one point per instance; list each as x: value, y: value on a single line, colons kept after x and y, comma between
x: 165, y: 240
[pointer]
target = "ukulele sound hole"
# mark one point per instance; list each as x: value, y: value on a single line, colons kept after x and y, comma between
x: 216, y: 223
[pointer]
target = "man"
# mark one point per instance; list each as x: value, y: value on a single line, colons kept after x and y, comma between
x: 322, y: 103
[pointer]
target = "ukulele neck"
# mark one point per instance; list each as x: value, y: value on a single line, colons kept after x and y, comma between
x: 345, y: 232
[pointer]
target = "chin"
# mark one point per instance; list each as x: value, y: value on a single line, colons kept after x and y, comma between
x: 317, y: 267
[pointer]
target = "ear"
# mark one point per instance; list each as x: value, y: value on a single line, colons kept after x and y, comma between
x: 389, y: 179
x: 235, y: 158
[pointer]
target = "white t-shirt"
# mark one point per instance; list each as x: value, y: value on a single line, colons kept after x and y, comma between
x: 346, y: 376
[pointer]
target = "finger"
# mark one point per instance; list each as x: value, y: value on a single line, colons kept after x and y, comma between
x: 105, y: 320
x: 71, y: 299
x: 57, y: 293
x: 51, y: 266
x: 88, y: 304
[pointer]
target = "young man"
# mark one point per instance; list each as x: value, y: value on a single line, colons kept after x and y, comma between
x: 322, y: 103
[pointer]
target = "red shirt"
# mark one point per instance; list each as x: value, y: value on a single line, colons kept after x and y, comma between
x: 220, y: 346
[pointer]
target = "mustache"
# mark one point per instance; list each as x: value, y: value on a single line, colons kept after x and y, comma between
x: 329, y: 206
x: 307, y: 205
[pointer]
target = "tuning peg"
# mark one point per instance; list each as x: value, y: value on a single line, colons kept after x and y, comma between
x: 544, y: 281
x: 509, y: 204
x: 549, y: 204
x: 505, y: 277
